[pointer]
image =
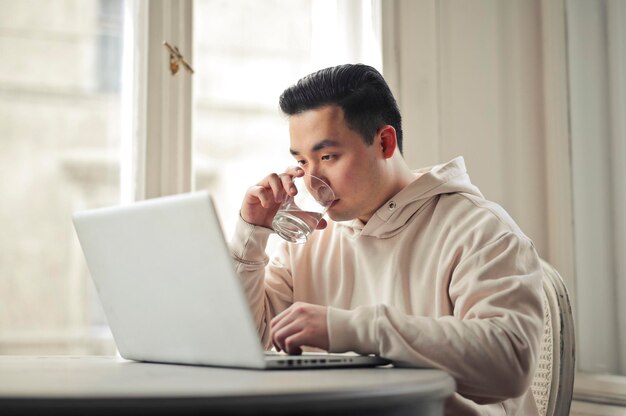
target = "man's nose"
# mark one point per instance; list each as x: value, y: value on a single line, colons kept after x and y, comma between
x: 323, y: 179
x: 314, y: 170
x: 321, y: 190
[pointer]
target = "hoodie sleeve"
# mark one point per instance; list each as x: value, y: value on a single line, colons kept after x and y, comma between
x: 267, y: 296
x: 489, y: 344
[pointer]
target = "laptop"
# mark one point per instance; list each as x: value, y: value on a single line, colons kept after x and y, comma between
x: 169, y: 290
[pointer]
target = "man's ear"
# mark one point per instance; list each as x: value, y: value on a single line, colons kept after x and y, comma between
x: 388, y: 143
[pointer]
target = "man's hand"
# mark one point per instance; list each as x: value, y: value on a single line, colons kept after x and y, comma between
x: 299, y: 325
x: 262, y: 200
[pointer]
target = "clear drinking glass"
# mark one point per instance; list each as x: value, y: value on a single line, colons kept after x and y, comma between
x: 298, y: 215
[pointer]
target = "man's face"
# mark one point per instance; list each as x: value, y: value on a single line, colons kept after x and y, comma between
x: 324, y: 146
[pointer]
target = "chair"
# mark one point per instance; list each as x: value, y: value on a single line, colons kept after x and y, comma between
x: 553, y: 381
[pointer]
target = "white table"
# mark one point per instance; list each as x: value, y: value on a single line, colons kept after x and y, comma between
x: 111, y: 385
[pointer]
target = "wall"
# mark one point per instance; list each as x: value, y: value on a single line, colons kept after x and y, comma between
x: 468, y: 76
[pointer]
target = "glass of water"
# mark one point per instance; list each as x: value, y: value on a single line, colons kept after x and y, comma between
x: 298, y: 215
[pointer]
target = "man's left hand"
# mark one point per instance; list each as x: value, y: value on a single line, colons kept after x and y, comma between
x: 299, y: 325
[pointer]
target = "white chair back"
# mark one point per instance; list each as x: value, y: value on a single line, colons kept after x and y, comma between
x: 553, y: 382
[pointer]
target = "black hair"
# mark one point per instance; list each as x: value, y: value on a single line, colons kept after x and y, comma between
x: 359, y: 90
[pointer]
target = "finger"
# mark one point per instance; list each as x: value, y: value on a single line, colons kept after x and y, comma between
x: 283, y: 314
x: 276, y: 325
x: 262, y: 195
x: 294, y: 343
x: 281, y: 321
x: 276, y: 341
x: 295, y: 171
x: 288, y: 185
x: 280, y: 336
x: 275, y: 183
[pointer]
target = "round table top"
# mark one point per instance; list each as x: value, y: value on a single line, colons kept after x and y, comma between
x: 101, y: 378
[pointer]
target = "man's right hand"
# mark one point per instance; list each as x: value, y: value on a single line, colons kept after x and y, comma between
x: 262, y: 200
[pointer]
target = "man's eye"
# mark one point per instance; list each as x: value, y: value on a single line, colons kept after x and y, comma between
x: 328, y: 157
x: 300, y: 162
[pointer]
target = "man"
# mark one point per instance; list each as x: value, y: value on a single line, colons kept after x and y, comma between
x: 416, y: 267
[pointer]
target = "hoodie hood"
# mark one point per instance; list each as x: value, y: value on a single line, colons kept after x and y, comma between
x: 393, y: 215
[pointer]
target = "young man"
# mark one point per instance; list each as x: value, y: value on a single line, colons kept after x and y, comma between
x: 416, y: 267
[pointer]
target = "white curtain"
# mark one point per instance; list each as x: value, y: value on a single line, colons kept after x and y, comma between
x: 596, y: 32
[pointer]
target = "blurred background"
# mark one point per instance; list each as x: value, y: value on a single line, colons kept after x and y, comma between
x: 532, y: 93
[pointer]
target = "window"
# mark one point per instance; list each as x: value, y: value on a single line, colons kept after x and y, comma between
x: 245, y: 54
x: 92, y: 117
x: 60, y: 123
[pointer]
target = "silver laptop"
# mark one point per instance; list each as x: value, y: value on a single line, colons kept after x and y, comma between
x: 169, y: 290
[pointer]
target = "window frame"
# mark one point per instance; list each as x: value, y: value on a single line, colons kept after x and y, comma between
x: 157, y: 150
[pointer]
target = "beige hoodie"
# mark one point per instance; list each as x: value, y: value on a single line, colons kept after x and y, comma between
x: 438, y: 277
